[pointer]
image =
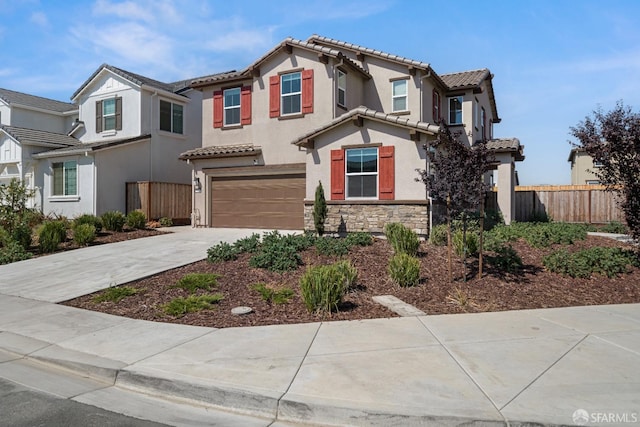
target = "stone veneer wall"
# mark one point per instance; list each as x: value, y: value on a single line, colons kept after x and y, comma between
x: 345, y: 217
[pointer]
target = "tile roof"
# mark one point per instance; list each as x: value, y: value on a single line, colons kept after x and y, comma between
x: 94, y: 146
x: 39, y: 138
x: 505, y: 145
x: 221, y: 151
x: 12, y: 97
x: 370, y: 114
x: 465, y: 79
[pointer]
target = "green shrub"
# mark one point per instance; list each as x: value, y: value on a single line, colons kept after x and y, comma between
x: 322, y: 288
x: 319, y: 210
x: 404, y: 269
x: 137, y: 220
x: 22, y: 234
x: 51, y: 234
x: 89, y: 219
x: 276, y: 257
x: 608, y: 262
x: 348, y: 271
x: 114, y: 294
x: 273, y: 296
x: 12, y: 251
x: 113, y: 220
x: 331, y: 246
x: 223, y: 251
x: 194, y: 281
x: 402, y: 239
x: 249, y: 244
x: 536, y: 234
x: 539, y: 216
x: 165, y: 222
x: 438, y: 236
x: 178, y: 307
x: 83, y: 234
x: 470, y: 246
x: 614, y: 227
x: 359, y: 238
x: 506, y: 259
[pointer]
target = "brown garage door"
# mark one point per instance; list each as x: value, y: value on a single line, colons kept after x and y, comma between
x: 258, y: 202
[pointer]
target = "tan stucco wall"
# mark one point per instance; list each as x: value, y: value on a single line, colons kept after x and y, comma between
x: 582, y: 169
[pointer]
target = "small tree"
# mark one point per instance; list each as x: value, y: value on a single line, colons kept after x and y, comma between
x: 319, y: 209
x: 613, y: 138
x: 15, y: 216
x: 456, y: 178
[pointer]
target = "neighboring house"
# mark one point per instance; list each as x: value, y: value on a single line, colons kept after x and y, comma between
x: 582, y: 168
x: 358, y: 120
x: 28, y: 125
x: 130, y: 128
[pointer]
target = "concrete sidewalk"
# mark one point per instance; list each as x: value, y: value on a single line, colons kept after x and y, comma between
x: 506, y: 368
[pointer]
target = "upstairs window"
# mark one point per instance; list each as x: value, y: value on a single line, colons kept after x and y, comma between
x: 483, y: 123
x: 171, y: 117
x: 436, y: 106
x: 65, y: 178
x: 362, y: 172
x: 232, y: 106
x: 455, y: 110
x: 109, y: 114
x: 291, y: 93
x: 399, y: 95
x: 341, y: 83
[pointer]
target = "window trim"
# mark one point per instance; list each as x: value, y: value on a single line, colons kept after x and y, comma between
x: 436, y: 99
x: 461, y: 99
x: 483, y: 123
x: 340, y: 73
x: 171, y: 117
x: 225, y: 107
x: 291, y: 94
x: 64, y: 179
x: 405, y: 96
x: 347, y: 175
x: 107, y: 116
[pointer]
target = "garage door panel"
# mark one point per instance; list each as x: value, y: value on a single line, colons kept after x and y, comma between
x: 258, y: 202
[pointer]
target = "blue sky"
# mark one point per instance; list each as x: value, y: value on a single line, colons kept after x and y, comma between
x: 554, y: 61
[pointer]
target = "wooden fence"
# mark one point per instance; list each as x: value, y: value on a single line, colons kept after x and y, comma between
x: 564, y: 203
x: 160, y: 199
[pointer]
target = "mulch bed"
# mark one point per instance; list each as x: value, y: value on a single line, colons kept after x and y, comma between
x: 532, y: 288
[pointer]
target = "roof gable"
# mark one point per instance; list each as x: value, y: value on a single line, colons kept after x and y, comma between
x: 12, y: 97
x: 39, y: 137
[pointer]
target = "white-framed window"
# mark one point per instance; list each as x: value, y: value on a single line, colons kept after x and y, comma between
x: 593, y: 182
x: 171, y: 117
x: 291, y: 93
x: 476, y: 115
x: 231, y: 106
x: 109, y: 114
x: 399, y: 95
x: 65, y: 178
x: 597, y: 163
x: 455, y: 110
x: 362, y: 172
x: 483, y: 123
x: 341, y: 83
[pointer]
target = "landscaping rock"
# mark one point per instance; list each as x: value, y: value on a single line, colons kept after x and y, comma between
x: 239, y: 311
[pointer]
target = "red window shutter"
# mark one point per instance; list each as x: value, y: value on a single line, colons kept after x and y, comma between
x: 245, y: 105
x: 274, y: 96
x: 337, y: 174
x: 307, y: 91
x: 218, y: 108
x: 387, y: 176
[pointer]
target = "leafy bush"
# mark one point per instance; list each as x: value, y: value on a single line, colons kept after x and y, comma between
x: 322, y: 288
x: 280, y: 253
x: 348, y: 271
x: 609, y: 262
x: 470, y: 245
x: 165, y: 222
x: 223, y: 251
x: 402, y: 239
x: 83, y: 234
x: 89, y: 219
x: 137, y: 220
x: 194, y: 281
x: 332, y: 246
x: 536, y: 234
x: 506, y: 259
x: 404, y: 269
x: 114, y: 294
x: 273, y: 296
x: 113, y: 220
x: 178, y: 307
x: 614, y: 227
x: 438, y: 236
x: 51, y: 234
x: 249, y: 244
x: 359, y: 238
x: 22, y: 234
x: 539, y: 216
x: 12, y: 251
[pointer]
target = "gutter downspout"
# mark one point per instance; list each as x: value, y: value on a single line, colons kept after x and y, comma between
x: 151, y: 131
x: 428, y: 165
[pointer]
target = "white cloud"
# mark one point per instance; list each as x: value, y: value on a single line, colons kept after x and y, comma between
x: 40, y: 19
x: 334, y: 10
x: 126, y: 10
x: 242, y: 40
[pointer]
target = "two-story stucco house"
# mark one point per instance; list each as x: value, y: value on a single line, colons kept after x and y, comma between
x: 583, y: 168
x: 353, y: 118
x: 130, y: 128
x: 28, y: 125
